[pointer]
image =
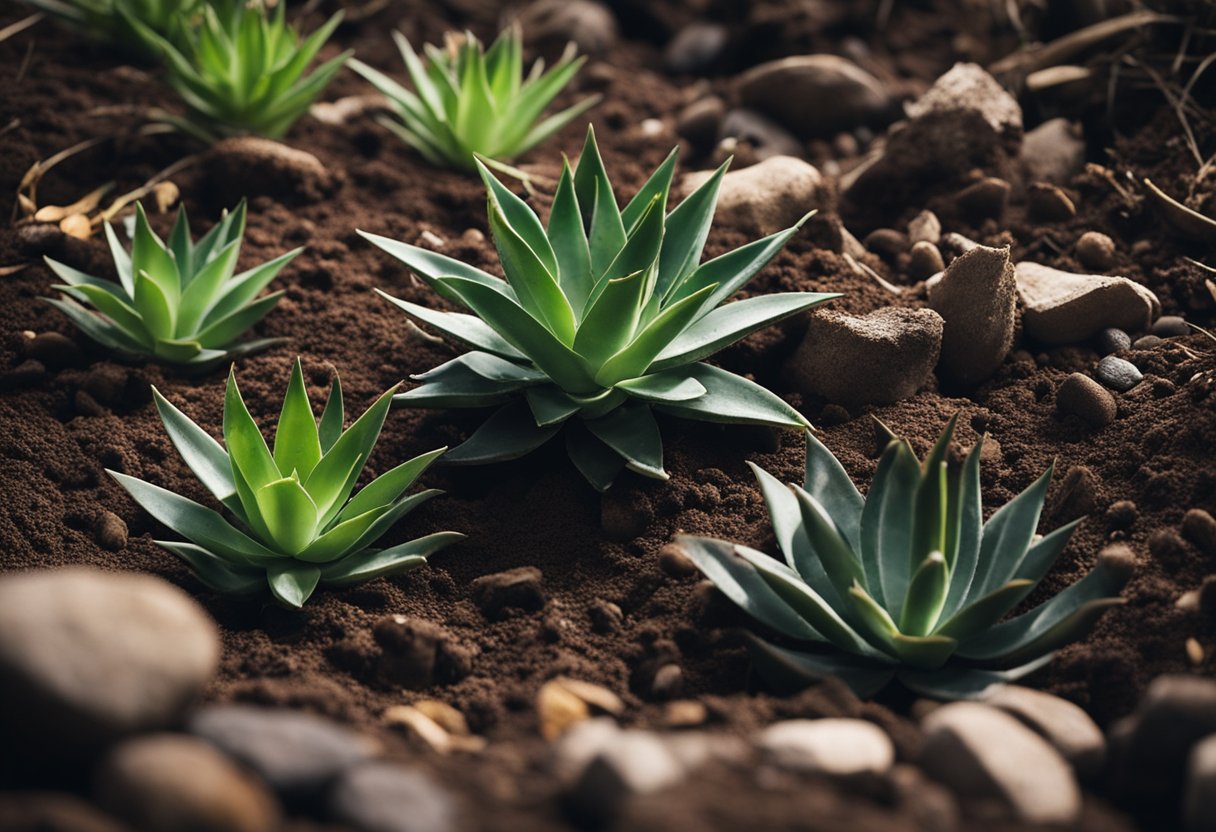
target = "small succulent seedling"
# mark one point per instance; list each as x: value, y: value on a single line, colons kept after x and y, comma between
x: 177, y: 303
x: 125, y: 23
x: 297, y: 525
x: 245, y: 70
x: 468, y: 100
x: 907, y: 583
x: 604, y: 317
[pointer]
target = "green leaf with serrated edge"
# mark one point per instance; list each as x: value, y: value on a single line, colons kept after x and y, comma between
x: 154, y: 307
x: 226, y: 330
x: 367, y: 565
x: 828, y: 482
x: 964, y: 683
x: 535, y: 287
x: 508, y: 434
x: 199, y: 524
x: 1053, y: 623
x: 886, y: 524
x: 148, y: 254
x: 521, y: 219
x: 672, y: 386
x: 1007, y: 536
x: 333, y: 417
x: 116, y: 309
x: 244, y: 287
x: 928, y: 652
x: 733, y: 270
x: 873, y: 622
x: 632, y: 432
x: 659, y: 184
x: 430, y: 265
x: 389, y: 486
x: 724, y: 326
x: 1043, y: 553
x: 687, y: 229
x: 929, y: 516
x: 297, y: 445
x: 542, y: 347
x: 289, y: 514
x: 488, y: 366
x: 103, y: 332
x: 610, y: 322
x: 330, y: 483
x: 292, y: 583
x: 202, y: 454
x: 206, y: 288
x: 739, y: 581
x: 970, y: 526
x: 246, y: 446
x: 598, y: 463
x: 925, y: 596
x: 215, y: 572
x: 803, y: 600
x: 839, y: 561
x: 466, y: 329
x: 634, y: 359
x: 731, y: 399
x: 550, y: 405
x: 789, y: 671
x: 983, y: 613
x: 568, y: 238
x: 122, y: 261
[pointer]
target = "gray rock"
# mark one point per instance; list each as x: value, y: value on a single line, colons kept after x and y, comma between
x: 551, y: 24
x: 1079, y: 395
x: 877, y: 358
x: 985, y: 754
x: 925, y: 227
x: 1066, y: 726
x: 1053, y: 152
x: 633, y: 763
x: 1147, y: 342
x: 295, y: 752
x: 976, y: 299
x: 839, y: 747
x: 765, y: 198
x: 766, y: 137
x: 386, y: 797
x: 1118, y: 373
x: 697, y: 47
x: 1199, y: 803
x: 1169, y: 326
x: 699, y: 121
x: 1066, y: 308
x: 88, y: 656
x: 1112, y: 340
x: 815, y: 96
x: 1177, y: 711
x: 925, y: 260
x: 1096, y: 251
x: 170, y: 783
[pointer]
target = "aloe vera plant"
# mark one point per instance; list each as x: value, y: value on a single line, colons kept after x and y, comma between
x: 604, y: 318
x: 178, y: 302
x: 468, y: 100
x: 908, y: 582
x: 243, y: 69
x: 125, y: 23
x: 296, y: 524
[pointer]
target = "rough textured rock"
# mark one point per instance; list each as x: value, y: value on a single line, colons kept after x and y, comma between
x: 976, y: 298
x: 295, y: 752
x: 88, y: 656
x: 1053, y: 152
x: 984, y: 754
x: 877, y: 358
x: 249, y: 166
x: 840, y: 747
x: 385, y: 797
x: 815, y: 96
x: 1112, y: 340
x: 515, y: 589
x: 767, y: 197
x: 1066, y: 726
x: 1066, y: 308
x: 173, y: 783
x: 416, y: 653
x: 1079, y: 395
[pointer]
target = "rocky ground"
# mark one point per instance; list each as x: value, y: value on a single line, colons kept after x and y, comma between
x: 1021, y: 237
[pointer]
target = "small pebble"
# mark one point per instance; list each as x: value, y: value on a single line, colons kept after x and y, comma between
x: 1096, y: 251
x: 1048, y: 203
x: 925, y: 260
x: 1081, y: 396
x: 984, y: 199
x: 1118, y: 373
x: 1147, y: 342
x: 1199, y: 527
x: 1168, y: 326
x: 1194, y: 652
x: 1121, y: 515
x: 53, y: 349
x: 887, y: 243
x: 111, y: 531
x: 668, y: 682
x: 925, y: 227
x: 1113, y: 340
x: 685, y: 713
x: 675, y: 563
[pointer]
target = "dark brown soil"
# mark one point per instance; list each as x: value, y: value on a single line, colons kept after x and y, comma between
x: 57, y: 431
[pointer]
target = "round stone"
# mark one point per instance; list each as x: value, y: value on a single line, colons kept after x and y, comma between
x: 1096, y: 251
x: 1118, y: 373
x: 1112, y: 340
x: 1079, y: 395
x: 1169, y: 326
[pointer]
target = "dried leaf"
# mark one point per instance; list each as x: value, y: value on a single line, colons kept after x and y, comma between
x: 27, y: 205
x: 559, y: 709
x: 5, y: 271
x: 85, y: 205
x: 166, y: 195
x: 1188, y: 222
x: 76, y: 225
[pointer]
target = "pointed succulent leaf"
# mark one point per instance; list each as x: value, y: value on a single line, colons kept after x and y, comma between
x: 342, y: 538
x: 886, y: 525
x: 154, y: 306
x: 118, y: 310
x: 687, y: 230
x: 964, y: 682
x: 838, y: 559
x: 201, y: 453
x: 241, y: 290
x: 332, y: 479
x: 611, y: 321
x: 930, y: 515
x: 391, y: 516
x: 638, y: 356
x: 671, y: 386
x: 926, y: 595
x: 732, y: 399
x: 658, y: 185
x: 467, y: 329
x: 103, y: 332
x: 1007, y: 536
x: 828, y: 482
x: 289, y: 513
x: 246, y: 445
x: 508, y: 434
x: 389, y: 486
x: 598, y: 463
x: 789, y: 671
x: 292, y: 583
x: 568, y: 238
x: 217, y: 573
x: 550, y: 405
x: 297, y: 445
x: 333, y: 417
x: 1042, y: 554
x: 364, y: 566
x: 631, y: 431
x: 205, y: 287
x: 520, y: 218
x: 929, y: 652
x: 970, y: 527
x: 872, y: 621
x: 982, y: 613
x: 460, y: 386
x: 150, y: 256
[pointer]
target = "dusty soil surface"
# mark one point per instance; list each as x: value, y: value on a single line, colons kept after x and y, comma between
x: 61, y: 427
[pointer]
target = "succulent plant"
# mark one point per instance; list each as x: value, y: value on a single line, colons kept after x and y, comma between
x: 177, y: 303
x: 125, y: 23
x: 243, y: 69
x: 296, y: 524
x: 468, y: 100
x: 906, y: 583
x: 604, y: 317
